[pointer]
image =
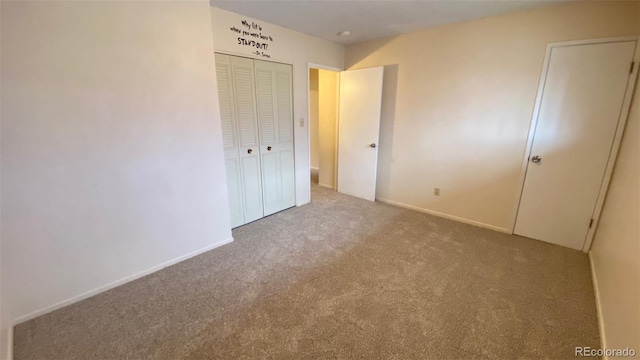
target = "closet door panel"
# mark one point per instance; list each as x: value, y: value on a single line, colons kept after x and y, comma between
x: 284, y: 99
x: 288, y: 186
x: 230, y: 139
x: 252, y: 182
x: 271, y: 180
x: 244, y: 87
x: 266, y: 111
x: 249, y: 147
x: 275, y: 120
x: 234, y: 188
x: 285, y: 116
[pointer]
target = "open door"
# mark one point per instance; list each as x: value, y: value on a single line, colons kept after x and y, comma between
x: 360, y: 103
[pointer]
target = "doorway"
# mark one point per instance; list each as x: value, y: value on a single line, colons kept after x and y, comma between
x: 323, y: 126
x: 344, y: 126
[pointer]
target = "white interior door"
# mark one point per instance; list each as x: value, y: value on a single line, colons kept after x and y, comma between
x: 578, y: 116
x: 359, y: 126
x: 275, y: 120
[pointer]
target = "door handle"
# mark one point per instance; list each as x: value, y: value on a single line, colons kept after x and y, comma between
x: 268, y: 148
x: 536, y: 159
x: 373, y: 145
x: 249, y: 151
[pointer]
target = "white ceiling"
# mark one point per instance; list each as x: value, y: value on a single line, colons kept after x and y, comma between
x: 370, y: 19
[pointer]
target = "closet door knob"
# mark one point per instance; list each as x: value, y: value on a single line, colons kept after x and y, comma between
x: 269, y: 148
x: 249, y: 151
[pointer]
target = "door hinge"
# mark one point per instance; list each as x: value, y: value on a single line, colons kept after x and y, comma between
x: 590, y: 223
x: 631, y: 68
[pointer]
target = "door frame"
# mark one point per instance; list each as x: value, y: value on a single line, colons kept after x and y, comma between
x: 622, y: 120
x: 310, y: 66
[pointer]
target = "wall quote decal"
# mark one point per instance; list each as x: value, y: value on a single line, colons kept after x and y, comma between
x: 251, y: 35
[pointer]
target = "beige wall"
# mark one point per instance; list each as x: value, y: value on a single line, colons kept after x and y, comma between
x: 314, y: 119
x: 328, y: 114
x: 323, y: 120
x: 112, y: 161
x: 458, y: 101
x: 615, y: 252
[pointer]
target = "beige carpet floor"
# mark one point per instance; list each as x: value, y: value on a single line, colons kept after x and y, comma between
x: 339, y: 278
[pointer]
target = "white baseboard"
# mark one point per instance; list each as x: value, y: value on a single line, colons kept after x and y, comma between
x: 117, y: 283
x: 10, y: 350
x: 443, y: 215
x: 7, y: 354
x: 326, y: 186
x: 596, y: 290
x: 314, y: 168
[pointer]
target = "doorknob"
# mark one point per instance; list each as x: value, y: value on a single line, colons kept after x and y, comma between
x: 269, y: 148
x: 249, y: 151
x: 373, y: 145
x: 536, y: 159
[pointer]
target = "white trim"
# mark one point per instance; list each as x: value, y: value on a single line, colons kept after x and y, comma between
x: 313, y: 168
x: 9, y: 354
x: 117, y: 283
x: 326, y: 186
x: 594, y: 41
x: 324, y: 67
x: 596, y: 290
x: 616, y: 143
x: 337, y: 139
x: 615, y: 148
x: 309, y: 67
x: 445, y: 216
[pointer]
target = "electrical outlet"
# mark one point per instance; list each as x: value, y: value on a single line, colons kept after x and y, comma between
x: 436, y: 191
x: 301, y: 122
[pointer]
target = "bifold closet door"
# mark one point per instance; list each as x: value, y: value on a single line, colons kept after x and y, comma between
x: 275, y: 121
x: 236, y: 92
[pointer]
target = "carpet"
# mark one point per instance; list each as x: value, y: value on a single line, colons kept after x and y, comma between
x: 339, y: 278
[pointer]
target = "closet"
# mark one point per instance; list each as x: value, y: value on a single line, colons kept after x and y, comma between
x: 257, y: 129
